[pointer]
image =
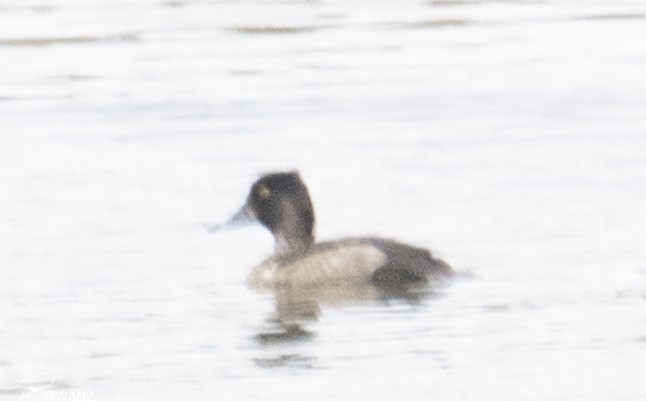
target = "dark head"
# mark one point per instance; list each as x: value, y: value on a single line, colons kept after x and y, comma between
x: 280, y: 202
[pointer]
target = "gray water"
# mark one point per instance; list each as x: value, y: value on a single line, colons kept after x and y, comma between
x: 508, y: 137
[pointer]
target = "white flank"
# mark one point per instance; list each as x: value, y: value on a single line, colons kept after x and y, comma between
x: 347, y: 265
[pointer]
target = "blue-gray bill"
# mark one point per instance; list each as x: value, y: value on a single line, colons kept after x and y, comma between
x: 243, y: 217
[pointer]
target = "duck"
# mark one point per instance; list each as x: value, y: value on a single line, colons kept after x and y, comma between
x: 281, y: 202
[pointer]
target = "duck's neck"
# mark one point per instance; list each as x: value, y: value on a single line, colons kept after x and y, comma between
x: 286, y: 244
x: 296, y: 233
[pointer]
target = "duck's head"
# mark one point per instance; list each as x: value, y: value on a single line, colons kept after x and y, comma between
x: 280, y: 202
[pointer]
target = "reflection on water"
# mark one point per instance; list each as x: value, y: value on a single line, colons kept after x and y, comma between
x: 291, y: 323
x: 285, y: 360
x: 296, y: 307
x: 284, y: 332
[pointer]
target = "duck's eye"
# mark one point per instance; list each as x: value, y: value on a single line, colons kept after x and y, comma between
x: 264, y: 192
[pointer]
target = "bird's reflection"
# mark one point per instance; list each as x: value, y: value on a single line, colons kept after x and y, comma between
x: 291, y: 322
x: 296, y: 309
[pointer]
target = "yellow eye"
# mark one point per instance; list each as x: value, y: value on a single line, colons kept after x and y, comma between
x: 264, y: 192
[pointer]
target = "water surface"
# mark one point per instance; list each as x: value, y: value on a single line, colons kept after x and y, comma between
x: 508, y: 137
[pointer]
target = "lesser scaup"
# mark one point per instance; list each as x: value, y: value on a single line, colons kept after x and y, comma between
x: 281, y: 202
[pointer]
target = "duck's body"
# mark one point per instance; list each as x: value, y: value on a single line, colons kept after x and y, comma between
x: 281, y: 202
x: 385, y: 263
